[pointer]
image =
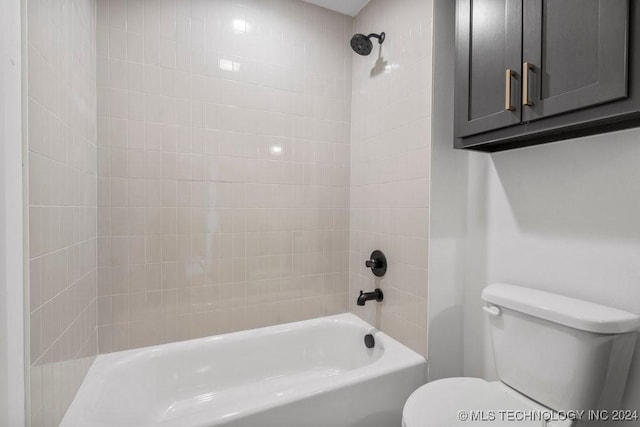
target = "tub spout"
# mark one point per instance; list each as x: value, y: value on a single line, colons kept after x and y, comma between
x: 368, y: 296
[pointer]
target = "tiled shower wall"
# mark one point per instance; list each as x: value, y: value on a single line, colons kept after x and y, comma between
x: 223, y: 163
x: 62, y: 194
x: 390, y: 166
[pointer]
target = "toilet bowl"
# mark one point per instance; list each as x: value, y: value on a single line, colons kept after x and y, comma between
x: 475, y: 402
x: 556, y: 358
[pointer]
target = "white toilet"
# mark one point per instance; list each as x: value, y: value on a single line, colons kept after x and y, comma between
x: 553, y: 355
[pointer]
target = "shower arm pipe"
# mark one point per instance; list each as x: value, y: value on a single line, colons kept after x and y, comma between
x: 380, y: 36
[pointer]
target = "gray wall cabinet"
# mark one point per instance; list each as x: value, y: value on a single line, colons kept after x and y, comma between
x: 536, y: 71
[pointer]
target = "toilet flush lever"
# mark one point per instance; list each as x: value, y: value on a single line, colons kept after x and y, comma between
x: 493, y: 311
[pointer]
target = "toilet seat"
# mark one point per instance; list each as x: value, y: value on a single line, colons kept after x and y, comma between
x: 439, y: 403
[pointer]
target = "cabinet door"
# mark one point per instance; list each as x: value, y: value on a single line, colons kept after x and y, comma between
x: 488, y: 65
x: 574, y: 53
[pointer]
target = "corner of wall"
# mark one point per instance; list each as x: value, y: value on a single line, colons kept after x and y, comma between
x: 447, y: 233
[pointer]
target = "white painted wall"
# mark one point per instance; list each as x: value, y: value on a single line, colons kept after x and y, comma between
x: 347, y: 7
x: 12, y: 391
x: 561, y: 217
x: 447, y: 240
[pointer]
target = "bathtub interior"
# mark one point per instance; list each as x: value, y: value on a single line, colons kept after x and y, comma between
x: 228, y: 375
x: 223, y: 369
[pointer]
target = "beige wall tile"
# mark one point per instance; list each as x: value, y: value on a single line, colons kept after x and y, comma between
x: 63, y: 199
x: 201, y: 172
x: 390, y: 168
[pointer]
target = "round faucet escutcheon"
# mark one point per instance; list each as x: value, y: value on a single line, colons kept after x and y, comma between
x: 377, y: 262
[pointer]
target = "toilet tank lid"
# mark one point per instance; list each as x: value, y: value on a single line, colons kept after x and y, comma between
x: 575, y: 313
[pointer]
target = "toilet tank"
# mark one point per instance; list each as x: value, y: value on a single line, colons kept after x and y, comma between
x: 562, y: 352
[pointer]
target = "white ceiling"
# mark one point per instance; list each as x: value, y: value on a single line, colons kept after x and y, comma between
x: 348, y: 7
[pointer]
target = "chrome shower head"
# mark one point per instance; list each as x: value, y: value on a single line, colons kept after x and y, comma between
x: 362, y: 45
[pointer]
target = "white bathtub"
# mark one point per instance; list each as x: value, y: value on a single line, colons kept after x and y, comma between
x: 306, y: 374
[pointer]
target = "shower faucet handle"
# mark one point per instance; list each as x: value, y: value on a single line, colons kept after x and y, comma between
x: 377, y: 262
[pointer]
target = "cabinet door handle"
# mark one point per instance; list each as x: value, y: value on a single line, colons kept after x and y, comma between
x: 507, y: 96
x: 526, y: 67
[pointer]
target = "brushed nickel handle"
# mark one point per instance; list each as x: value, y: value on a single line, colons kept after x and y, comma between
x: 507, y: 96
x: 526, y: 67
